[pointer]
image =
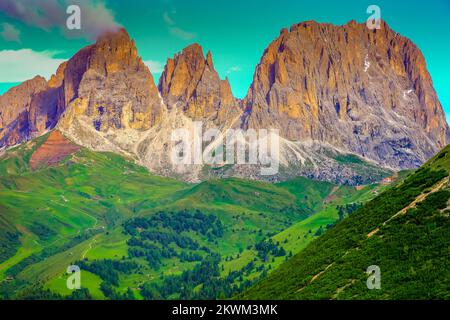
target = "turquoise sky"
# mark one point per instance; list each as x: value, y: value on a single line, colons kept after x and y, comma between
x: 238, y: 31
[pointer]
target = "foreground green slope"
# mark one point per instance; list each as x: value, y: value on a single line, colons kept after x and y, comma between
x: 404, y: 231
x: 83, y: 209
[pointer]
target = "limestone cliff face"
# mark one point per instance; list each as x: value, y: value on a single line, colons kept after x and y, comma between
x: 18, y: 99
x: 330, y: 90
x: 108, y: 79
x: 190, y: 82
x: 362, y: 91
x: 115, y: 86
x: 15, y: 108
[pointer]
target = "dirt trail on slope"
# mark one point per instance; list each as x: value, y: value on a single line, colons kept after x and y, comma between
x: 419, y: 199
x: 413, y: 204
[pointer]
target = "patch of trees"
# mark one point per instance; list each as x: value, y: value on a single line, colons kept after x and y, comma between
x: 149, y: 251
x: 9, y: 242
x: 203, y: 282
x: 42, y: 231
x: 347, y: 209
x: 165, y: 238
x: 182, y: 221
x: 111, y: 293
x: 37, y: 292
x: 319, y: 232
x: 153, y: 238
x: 108, y: 269
x: 206, y: 274
x: 269, y: 247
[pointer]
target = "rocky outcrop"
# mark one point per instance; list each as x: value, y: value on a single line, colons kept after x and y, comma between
x: 15, y: 108
x: 116, y: 87
x: 18, y: 99
x: 108, y: 78
x: 190, y: 82
x: 362, y: 91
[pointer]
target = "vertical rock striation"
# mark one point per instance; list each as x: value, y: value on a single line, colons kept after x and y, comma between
x: 190, y: 82
x: 362, y: 91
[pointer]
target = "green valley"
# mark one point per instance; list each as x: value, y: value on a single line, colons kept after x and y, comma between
x: 112, y: 217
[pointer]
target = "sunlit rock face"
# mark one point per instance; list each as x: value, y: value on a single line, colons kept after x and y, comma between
x: 364, y: 91
x: 118, y: 87
x: 29, y: 110
x: 190, y: 82
x: 332, y: 92
x: 108, y: 78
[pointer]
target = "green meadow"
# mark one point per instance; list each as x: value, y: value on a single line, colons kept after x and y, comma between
x: 75, y: 212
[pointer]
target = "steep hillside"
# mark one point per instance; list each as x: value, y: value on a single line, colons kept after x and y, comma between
x: 404, y: 231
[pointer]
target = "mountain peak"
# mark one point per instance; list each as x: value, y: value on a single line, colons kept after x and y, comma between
x: 115, y: 50
x: 346, y: 84
x: 193, y: 49
x: 116, y: 33
x: 209, y: 60
x: 189, y: 80
x: 116, y: 85
x: 14, y: 110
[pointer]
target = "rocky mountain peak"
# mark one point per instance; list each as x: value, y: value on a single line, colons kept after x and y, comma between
x: 181, y: 74
x: 191, y: 82
x: 113, y: 86
x: 105, y: 86
x: 364, y: 91
x: 14, y: 110
x: 57, y: 78
x: 115, y: 51
x: 209, y: 61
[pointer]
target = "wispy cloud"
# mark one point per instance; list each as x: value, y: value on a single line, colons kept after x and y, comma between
x: 167, y: 19
x: 24, y: 64
x: 234, y: 69
x: 96, y: 18
x: 155, y: 67
x: 183, y: 34
x: 10, y: 32
x: 176, y: 30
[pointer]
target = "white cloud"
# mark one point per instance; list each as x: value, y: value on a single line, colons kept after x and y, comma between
x: 10, y: 32
x: 177, y: 31
x: 24, y: 64
x: 155, y: 67
x: 96, y: 18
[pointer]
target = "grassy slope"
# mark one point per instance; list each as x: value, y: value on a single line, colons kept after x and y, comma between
x: 90, y: 194
x: 88, y: 191
x: 411, y: 249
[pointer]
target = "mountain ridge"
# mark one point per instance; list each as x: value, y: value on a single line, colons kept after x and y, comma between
x: 349, y: 86
x: 105, y: 98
